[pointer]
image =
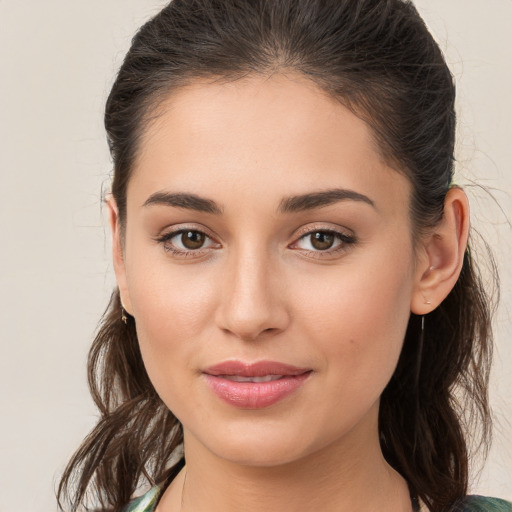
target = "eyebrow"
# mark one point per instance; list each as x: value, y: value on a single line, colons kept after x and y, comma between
x: 315, y: 200
x: 184, y: 200
x: 292, y: 204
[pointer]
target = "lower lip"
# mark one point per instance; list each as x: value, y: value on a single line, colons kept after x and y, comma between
x: 255, y: 395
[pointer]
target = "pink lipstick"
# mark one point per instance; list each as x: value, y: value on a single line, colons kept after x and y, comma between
x: 256, y: 385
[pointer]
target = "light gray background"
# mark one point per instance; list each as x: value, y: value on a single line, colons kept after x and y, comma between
x: 57, y: 61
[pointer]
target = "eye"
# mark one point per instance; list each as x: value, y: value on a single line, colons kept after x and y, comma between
x: 191, y: 239
x: 185, y: 242
x: 324, y: 241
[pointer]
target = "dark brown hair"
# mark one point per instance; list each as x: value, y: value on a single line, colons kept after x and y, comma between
x: 377, y: 58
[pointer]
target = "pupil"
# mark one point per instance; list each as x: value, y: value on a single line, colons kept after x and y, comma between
x: 192, y: 239
x: 321, y: 240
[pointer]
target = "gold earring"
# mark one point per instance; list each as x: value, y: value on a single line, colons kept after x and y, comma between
x: 124, y: 318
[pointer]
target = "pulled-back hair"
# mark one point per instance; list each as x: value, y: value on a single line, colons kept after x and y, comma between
x: 377, y: 58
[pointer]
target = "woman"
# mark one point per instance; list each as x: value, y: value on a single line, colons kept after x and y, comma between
x: 298, y: 323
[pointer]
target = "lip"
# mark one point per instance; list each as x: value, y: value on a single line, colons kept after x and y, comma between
x: 254, y: 395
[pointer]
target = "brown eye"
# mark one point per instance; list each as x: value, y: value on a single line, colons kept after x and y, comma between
x: 192, y: 239
x: 187, y: 243
x: 324, y: 243
x: 322, y: 240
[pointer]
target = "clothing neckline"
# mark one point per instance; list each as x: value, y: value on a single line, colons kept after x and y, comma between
x: 154, y: 495
x: 470, y: 503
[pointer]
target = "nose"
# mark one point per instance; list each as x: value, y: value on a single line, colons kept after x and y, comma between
x: 252, y: 303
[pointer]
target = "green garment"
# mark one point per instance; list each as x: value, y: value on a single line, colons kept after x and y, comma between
x: 147, y: 503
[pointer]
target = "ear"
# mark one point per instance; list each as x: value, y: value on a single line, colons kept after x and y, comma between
x: 441, y: 254
x: 118, y: 253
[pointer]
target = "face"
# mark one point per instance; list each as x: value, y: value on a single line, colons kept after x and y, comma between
x: 267, y: 240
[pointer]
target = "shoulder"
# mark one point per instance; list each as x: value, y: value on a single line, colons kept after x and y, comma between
x: 146, y: 503
x: 483, y: 504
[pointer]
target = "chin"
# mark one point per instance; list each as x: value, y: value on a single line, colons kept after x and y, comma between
x: 260, y: 454
x: 263, y: 445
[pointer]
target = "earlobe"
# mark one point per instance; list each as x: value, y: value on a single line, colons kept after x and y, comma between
x: 117, y: 253
x: 442, y: 254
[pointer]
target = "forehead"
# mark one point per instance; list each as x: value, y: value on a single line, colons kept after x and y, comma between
x: 279, y: 134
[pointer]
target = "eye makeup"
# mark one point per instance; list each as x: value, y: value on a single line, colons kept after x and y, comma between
x: 317, y: 242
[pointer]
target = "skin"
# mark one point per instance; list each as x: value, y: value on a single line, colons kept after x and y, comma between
x: 259, y: 289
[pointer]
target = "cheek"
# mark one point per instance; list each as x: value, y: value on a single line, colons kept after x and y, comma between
x: 358, y: 320
x: 165, y: 306
x: 173, y: 307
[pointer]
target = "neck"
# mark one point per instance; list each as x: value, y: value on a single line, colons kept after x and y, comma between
x: 345, y: 476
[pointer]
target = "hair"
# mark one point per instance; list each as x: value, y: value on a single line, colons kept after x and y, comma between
x: 377, y: 58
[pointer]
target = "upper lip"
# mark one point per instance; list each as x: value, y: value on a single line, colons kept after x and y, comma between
x: 257, y: 369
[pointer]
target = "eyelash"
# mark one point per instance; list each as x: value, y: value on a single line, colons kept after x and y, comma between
x: 167, y: 237
x: 345, y: 242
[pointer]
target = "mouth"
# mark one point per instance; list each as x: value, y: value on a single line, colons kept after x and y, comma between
x: 255, y: 385
x: 239, y: 378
